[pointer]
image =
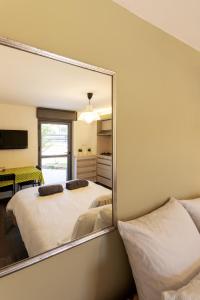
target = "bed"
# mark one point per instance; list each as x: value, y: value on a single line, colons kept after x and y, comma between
x: 47, y: 222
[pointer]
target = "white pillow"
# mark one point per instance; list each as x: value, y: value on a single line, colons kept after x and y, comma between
x: 193, y: 208
x: 191, y: 291
x: 85, y: 223
x: 102, y: 200
x: 163, y: 249
x: 104, y: 218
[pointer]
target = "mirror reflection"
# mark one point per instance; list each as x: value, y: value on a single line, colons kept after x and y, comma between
x: 55, y: 154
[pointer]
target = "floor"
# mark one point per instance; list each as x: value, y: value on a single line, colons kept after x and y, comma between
x: 11, y: 245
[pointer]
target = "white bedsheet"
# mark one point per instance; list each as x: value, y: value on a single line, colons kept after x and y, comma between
x: 47, y: 222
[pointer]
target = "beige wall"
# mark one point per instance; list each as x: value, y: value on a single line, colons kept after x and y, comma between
x: 158, y: 129
x: 19, y: 117
x: 84, y: 136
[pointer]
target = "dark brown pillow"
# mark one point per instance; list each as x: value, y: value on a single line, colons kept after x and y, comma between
x: 76, y: 184
x: 50, y: 189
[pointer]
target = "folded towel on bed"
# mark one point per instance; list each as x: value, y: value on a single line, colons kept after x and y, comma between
x: 76, y: 184
x: 50, y: 189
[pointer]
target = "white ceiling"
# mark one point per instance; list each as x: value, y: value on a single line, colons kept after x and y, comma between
x: 180, y: 18
x: 29, y: 79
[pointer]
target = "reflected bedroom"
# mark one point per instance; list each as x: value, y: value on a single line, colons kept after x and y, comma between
x: 56, y: 154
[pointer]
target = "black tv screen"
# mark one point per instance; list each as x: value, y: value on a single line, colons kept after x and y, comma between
x: 13, y: 139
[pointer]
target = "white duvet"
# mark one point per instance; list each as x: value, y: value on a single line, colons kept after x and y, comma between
x: 47, y: 222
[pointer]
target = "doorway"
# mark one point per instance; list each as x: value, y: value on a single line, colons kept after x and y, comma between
x: 55, y: 151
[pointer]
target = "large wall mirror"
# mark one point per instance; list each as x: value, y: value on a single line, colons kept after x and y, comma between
x: 57, y: 154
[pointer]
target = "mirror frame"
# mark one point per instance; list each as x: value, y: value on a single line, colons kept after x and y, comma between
x: 33, y: 260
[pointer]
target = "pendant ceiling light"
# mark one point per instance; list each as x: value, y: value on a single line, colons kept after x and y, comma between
x: 89, y: 115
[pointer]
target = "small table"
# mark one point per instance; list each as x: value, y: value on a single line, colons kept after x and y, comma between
x: 22, y: 175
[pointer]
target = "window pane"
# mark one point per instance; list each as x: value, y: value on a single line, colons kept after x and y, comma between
x: 54, y: 139
x: 54, y: 169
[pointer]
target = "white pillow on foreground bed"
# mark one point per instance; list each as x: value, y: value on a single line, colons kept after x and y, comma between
x: 193, y: 208
x: 191, y: 291
x: 163, y: 249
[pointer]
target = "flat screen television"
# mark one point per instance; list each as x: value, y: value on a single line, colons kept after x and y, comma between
x: 13, y: 139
